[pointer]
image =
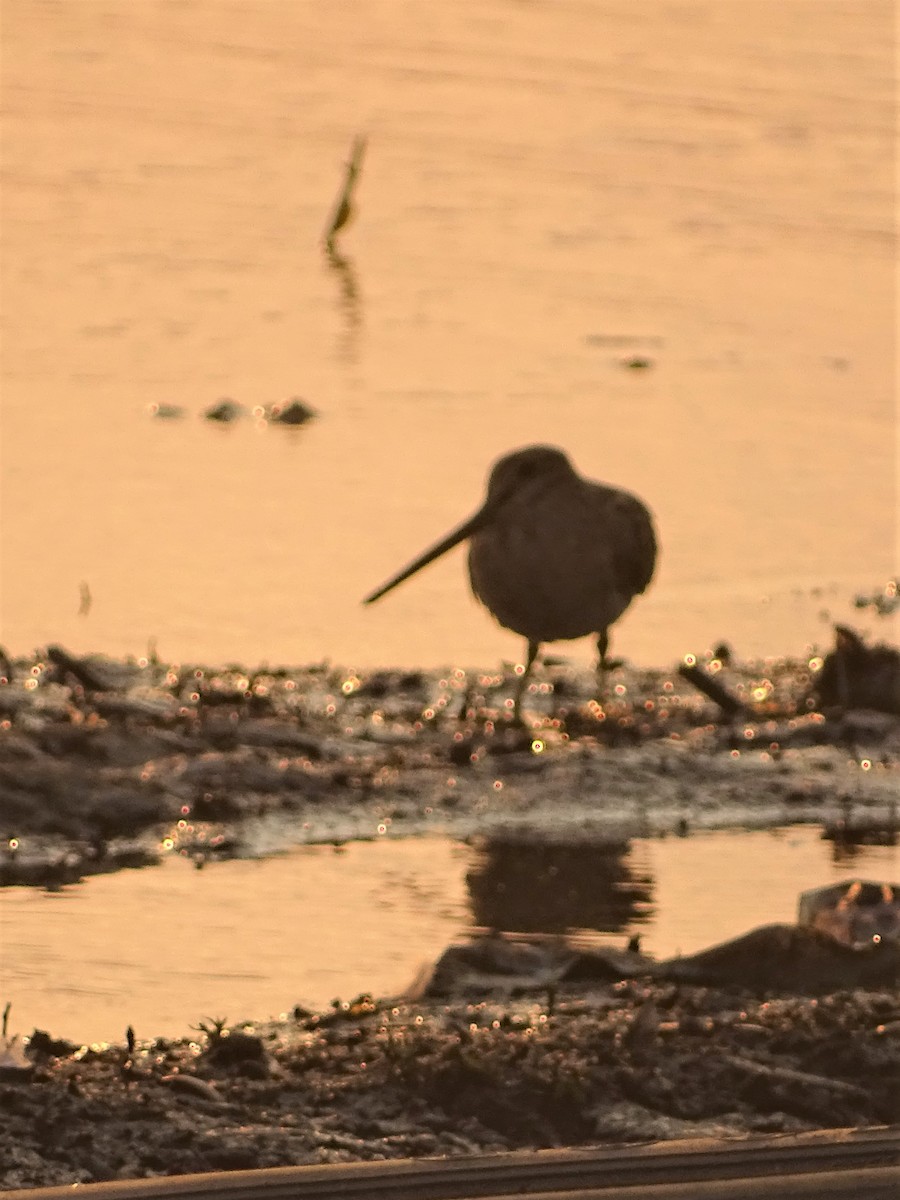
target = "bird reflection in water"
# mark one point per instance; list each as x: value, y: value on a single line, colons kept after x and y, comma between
x: 535, y: 887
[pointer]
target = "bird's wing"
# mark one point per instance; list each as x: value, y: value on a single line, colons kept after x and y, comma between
x: 634, y: 542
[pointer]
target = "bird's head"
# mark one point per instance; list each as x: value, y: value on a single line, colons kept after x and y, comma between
x: 519, y: 478
x: 524, y: 474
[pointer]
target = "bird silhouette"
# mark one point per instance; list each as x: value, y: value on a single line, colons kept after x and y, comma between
x: 552, y: 555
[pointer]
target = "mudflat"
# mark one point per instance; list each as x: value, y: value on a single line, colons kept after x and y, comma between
x: 105, y: 762
x: 505, y: 1045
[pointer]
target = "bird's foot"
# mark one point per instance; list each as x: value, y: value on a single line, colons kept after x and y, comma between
x: 609, y: 664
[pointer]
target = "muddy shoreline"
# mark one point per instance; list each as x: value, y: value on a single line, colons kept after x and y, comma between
x: 107, y: 763
x: 626, y: 1062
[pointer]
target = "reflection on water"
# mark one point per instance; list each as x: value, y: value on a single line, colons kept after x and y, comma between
x: 162, y: 947
x: 349, y: 302
x: 548, y: 888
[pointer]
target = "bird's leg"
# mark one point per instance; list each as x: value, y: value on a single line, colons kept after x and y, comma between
x: 604, y: 664
x: 533, y: 648
x: 602, y: 648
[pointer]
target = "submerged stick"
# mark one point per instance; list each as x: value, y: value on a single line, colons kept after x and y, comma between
x: 343, y: 209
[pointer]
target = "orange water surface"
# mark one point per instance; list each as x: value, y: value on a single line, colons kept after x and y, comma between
x: 550, y: 192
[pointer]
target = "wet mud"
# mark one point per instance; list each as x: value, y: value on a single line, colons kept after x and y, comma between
x: 109, y: 763
x: 504, y: 1043
x: 635, y: 1060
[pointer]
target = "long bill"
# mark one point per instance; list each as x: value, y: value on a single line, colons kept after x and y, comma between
x: 447, y: 543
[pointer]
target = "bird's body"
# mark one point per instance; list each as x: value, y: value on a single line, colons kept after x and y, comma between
x: 552, y: 556
x: 564, y: 555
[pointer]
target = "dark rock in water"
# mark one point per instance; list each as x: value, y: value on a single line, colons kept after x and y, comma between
x: 788, y: 958
x: 885, y: 601
x: 165, y: 412
x: 291, y: 412
x: 224, y: 410
x: 855, y: 675
x: 637, y: 362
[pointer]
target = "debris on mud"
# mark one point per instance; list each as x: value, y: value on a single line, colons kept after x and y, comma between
x: 855, y: 675
x: 859, y: 915
x: 800, y: 959
x: 105, y: 763
x: 290, y: 412
x: 510, y: 1044
x: 581, y: 1063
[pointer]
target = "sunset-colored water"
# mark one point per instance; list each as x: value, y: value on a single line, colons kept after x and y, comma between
x: 660, y: 235
x: 549, y: 192
x: 165, y: 947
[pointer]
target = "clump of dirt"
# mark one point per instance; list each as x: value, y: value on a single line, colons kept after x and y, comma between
x: 631, y: 1061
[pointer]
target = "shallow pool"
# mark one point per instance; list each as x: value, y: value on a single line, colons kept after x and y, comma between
x: 164, y: 947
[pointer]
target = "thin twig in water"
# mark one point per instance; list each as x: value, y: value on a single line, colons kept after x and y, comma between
x: 343, y: 209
